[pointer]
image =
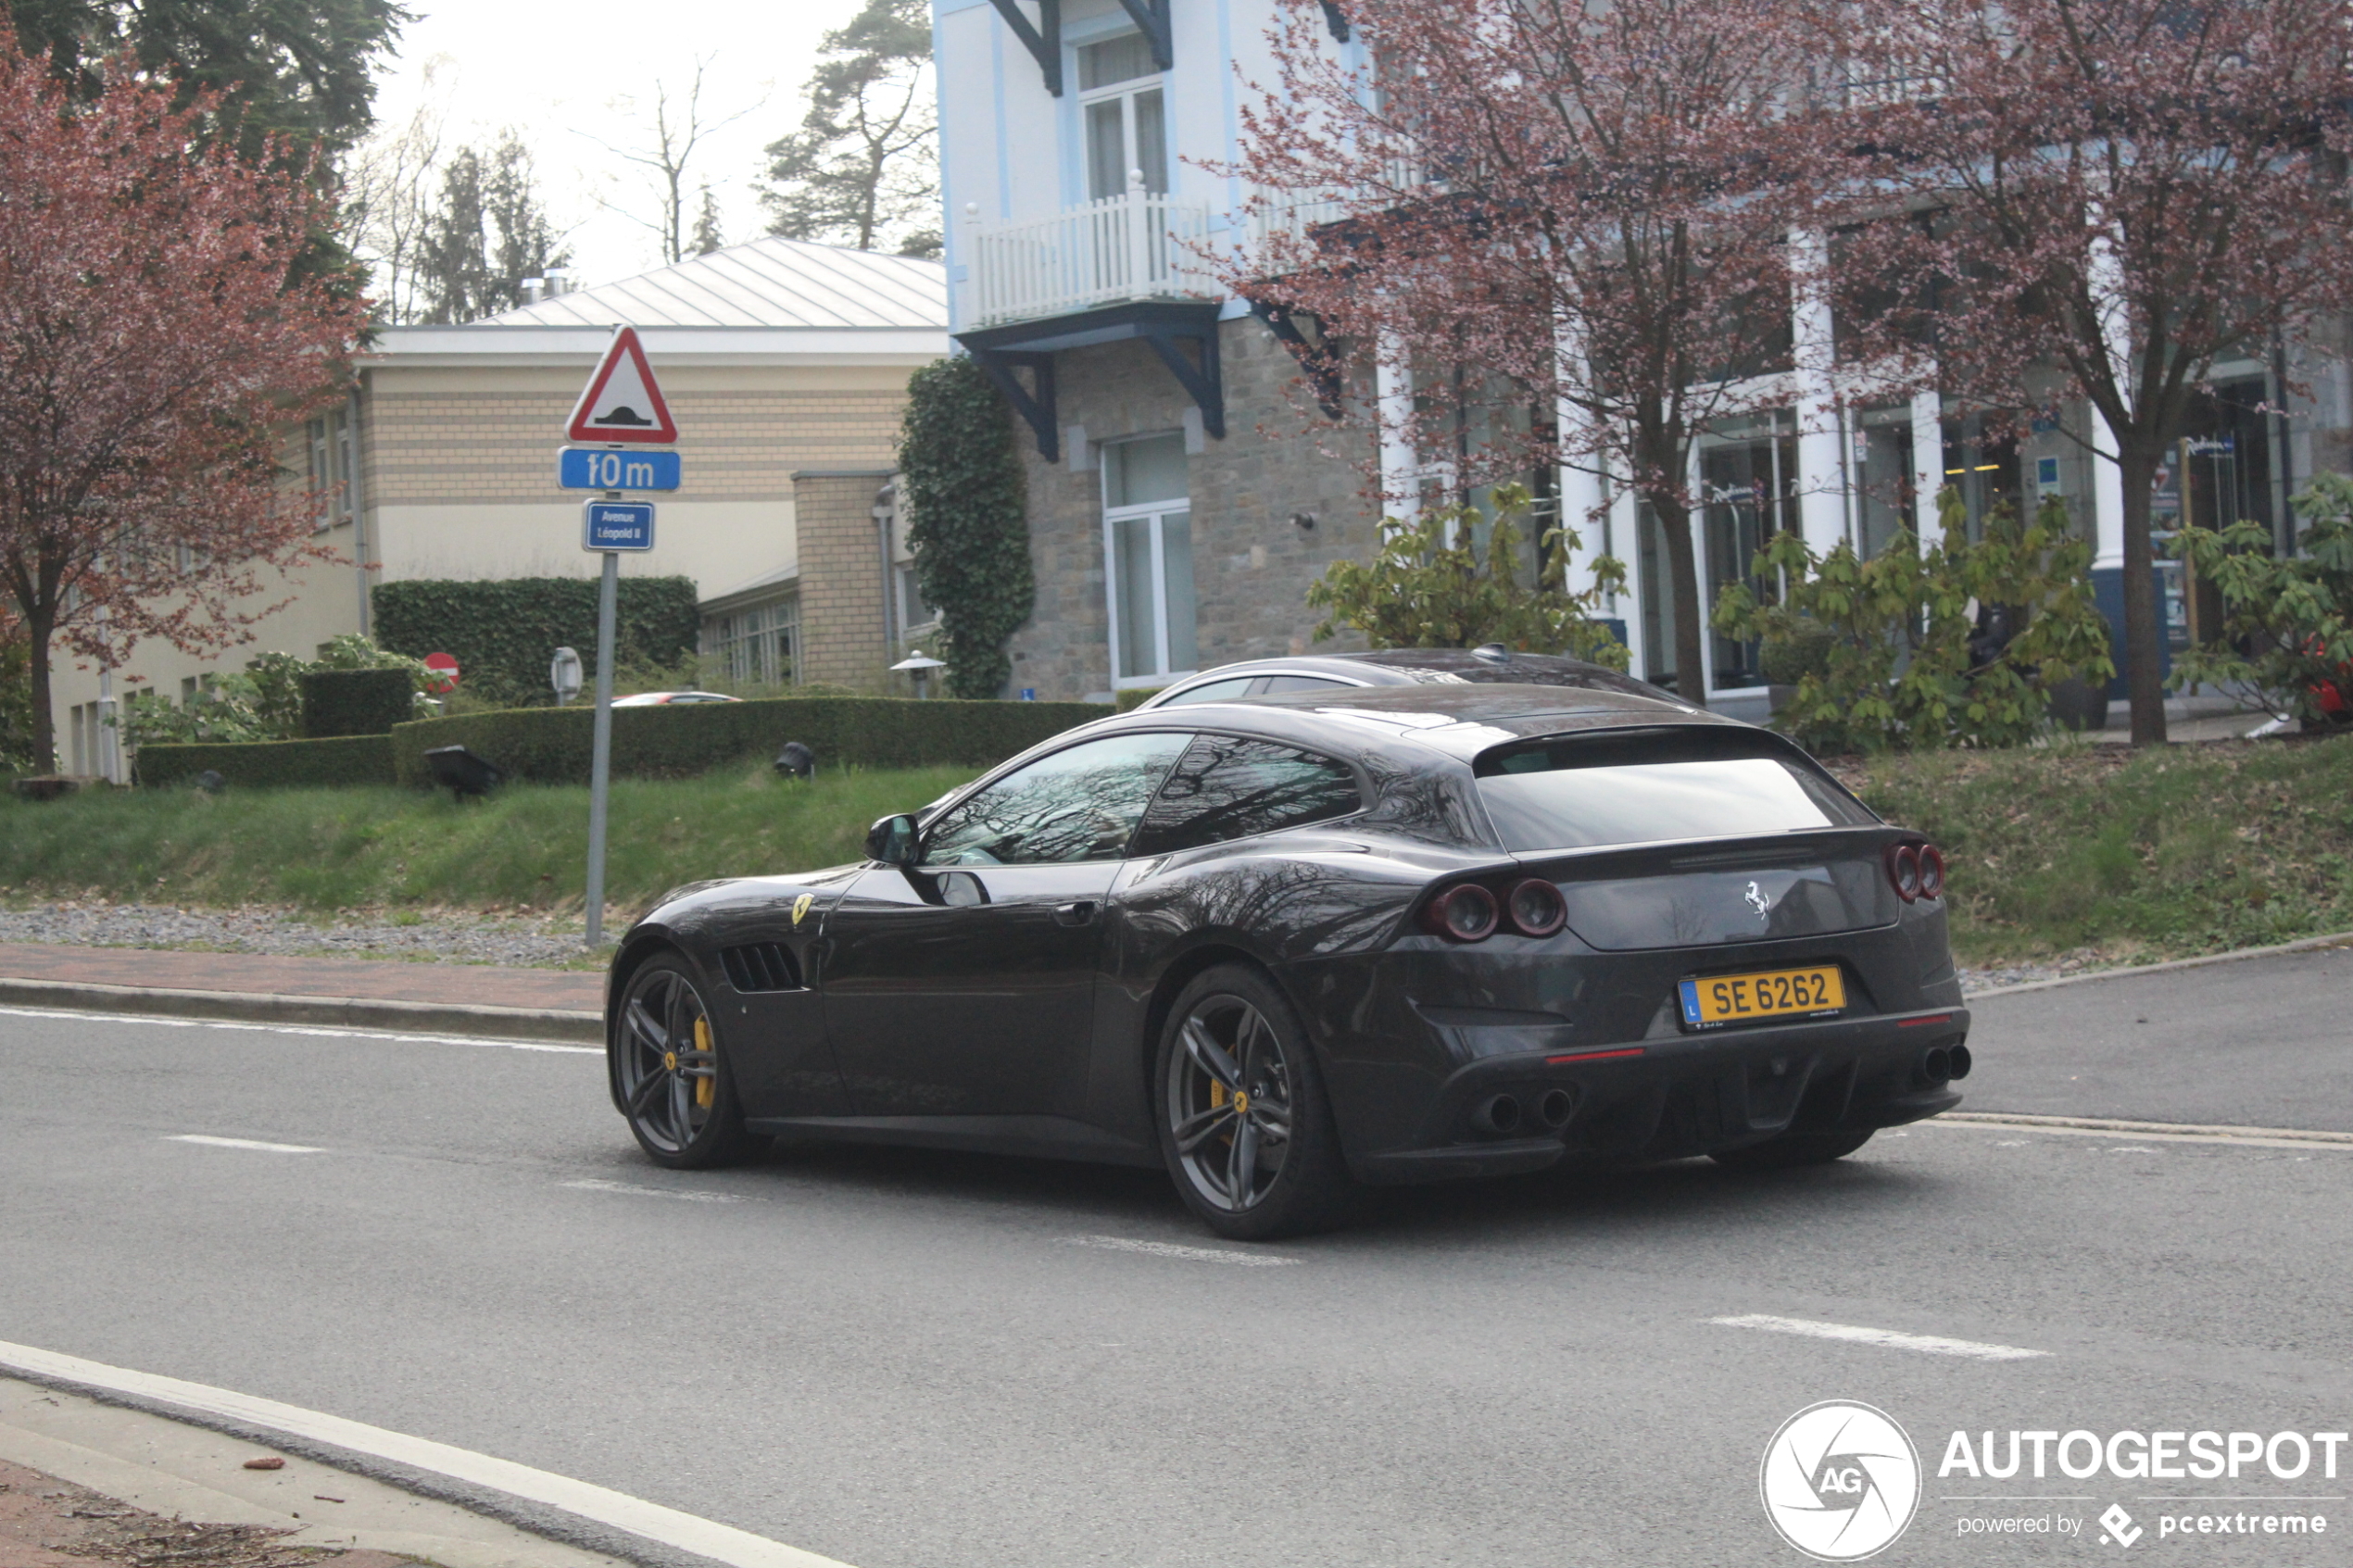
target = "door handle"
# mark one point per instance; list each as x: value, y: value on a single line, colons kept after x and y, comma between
x: 1079, y: 913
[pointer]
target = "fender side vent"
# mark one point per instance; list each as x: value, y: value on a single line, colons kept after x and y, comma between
x: 762, y: 966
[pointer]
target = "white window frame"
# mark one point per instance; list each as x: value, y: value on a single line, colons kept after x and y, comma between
x: 1150, y: 82
x: 1156, y: 511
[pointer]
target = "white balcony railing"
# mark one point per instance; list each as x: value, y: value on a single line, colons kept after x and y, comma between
x: 1108, y: 252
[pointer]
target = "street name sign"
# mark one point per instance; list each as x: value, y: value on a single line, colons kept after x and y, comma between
x: 622, y: 401
x: 579, y: 467
x: 617, y: 525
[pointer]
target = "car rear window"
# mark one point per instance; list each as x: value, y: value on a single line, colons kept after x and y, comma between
x: 1652, y: 787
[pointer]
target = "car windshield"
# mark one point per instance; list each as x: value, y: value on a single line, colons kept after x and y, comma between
x: 1650, y: 787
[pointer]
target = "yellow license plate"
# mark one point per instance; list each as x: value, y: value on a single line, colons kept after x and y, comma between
x: 1780, y: 993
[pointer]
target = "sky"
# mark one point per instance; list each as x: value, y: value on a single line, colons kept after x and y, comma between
x: 561, y: 74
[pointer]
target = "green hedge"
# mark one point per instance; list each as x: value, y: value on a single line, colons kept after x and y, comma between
x: 502, y: 634
x: 551, y: 744
x: 356, y: 702
x: 344, y: 760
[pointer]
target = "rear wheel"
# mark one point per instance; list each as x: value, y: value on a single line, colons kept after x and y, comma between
x: 1791, y: 1151
x: 675, y: 1088
x: 1244, y: 1125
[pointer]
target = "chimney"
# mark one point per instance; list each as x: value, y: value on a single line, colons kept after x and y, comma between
x: 558, y: 280
x: 533, y: 290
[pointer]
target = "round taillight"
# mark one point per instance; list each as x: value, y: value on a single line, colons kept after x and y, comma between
x: 1904, y: 871
x: 1536, y: 909
x: 1465, y: 912
x: 1931, y: 872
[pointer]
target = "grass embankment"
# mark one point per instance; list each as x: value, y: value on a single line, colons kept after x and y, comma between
x: 524, y: 849
x: 2092, y: 851
x: 2119, y: 855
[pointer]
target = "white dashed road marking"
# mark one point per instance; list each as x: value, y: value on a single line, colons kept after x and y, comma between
x: 211, y: 1142
x: 1927, y: 1343
x: 684, y: 1194
x: 1169, y: 1250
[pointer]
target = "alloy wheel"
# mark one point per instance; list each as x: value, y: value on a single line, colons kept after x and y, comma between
x: 669, y: 1071
x: 1229, y: 1102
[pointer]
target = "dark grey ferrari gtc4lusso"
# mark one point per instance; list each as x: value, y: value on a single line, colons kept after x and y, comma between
x: 1287, y: 945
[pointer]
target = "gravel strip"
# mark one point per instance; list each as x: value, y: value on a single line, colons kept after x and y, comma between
x: 525, y: 942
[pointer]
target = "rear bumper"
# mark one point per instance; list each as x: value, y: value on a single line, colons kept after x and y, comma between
x: 1678, y: 1096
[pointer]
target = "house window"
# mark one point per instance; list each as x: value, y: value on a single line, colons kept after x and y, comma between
x: 754, y: 647
x: 331, y: 468
x: 1126, y: 124
x: 913, y: 611
x: 1148, y: 540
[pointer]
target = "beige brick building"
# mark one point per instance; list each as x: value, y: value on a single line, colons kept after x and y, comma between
x: 786, y: 366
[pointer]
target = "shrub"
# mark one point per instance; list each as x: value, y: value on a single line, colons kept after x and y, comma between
x: 2288, y: 624
x: 264, y: 702
x: 503, y: 633
x: 356, y: 702
x: 1883, y: 654
x: 967, y: 502
x: 342, y: 761
x: 1429, y: 588
x: 552, y: 745
x: 1133, y: 698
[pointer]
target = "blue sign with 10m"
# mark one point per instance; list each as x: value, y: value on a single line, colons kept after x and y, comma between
x: 589, y: 468
x: 617, y: 525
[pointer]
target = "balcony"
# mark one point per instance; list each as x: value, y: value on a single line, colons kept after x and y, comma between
x: 1120, y: 250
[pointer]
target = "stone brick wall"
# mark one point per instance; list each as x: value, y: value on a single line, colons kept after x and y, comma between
x: 841, y: 582
x: 1252, y: 565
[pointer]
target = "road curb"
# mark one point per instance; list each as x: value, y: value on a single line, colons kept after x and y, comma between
x: 2307, y: 944
x: 2153, y: 1129
x: 346, y: 1012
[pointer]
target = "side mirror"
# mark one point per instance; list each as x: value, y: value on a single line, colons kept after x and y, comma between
x: 892, y: 841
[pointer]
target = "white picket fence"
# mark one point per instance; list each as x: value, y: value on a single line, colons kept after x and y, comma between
x: 1108, y: 252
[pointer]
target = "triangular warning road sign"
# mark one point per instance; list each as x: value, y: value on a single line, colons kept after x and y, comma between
x: 622, y: 402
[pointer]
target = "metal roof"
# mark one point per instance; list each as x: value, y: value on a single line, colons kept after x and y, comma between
x: 762, y: 283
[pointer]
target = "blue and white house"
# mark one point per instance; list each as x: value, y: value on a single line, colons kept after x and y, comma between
x: 1176, y: 525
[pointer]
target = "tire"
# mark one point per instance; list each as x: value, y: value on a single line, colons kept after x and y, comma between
x: 1792, y: 1150
x: 680, y: 1105
x: 1245, y: 1128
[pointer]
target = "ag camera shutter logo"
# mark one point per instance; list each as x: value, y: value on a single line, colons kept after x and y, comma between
x: 1841, y: 1481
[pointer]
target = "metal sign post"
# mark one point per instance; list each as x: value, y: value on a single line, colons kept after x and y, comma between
x: 621, y: 403
x: 600, y: 749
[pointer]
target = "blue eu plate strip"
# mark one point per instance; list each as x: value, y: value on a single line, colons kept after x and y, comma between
x: 1689, y: 989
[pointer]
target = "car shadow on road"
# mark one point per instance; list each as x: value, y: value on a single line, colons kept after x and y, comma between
x: 1568, y: 1205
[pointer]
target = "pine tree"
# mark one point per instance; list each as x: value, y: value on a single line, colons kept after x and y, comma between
x: 865, y: 162
x: 705, y: 237
x: 488, y: 234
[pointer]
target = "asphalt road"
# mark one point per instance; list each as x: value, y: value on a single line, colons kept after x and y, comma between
x: 2262, y: 1042
x: 906, y: 1360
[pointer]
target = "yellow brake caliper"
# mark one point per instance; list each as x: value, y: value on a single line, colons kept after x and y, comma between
x: 706, y: 1087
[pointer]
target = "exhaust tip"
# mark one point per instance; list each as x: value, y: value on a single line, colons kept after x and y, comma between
x: 1937, y: 1065
x: 1556, y: 1109
x: 1959, y: 1058
x: 1499, y: 1114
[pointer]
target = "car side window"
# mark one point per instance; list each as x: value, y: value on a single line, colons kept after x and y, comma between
x: 1081, y: 803
x: 1213, y: 691
x: 1227, y: 787
x: 1301, y: 683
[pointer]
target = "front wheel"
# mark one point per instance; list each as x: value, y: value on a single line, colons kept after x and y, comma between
x: 674, y: 1085
x: 1244, y: 1125
x: 1792, y: 1150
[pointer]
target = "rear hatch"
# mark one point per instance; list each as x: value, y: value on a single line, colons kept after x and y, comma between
x: 1688, y: 836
